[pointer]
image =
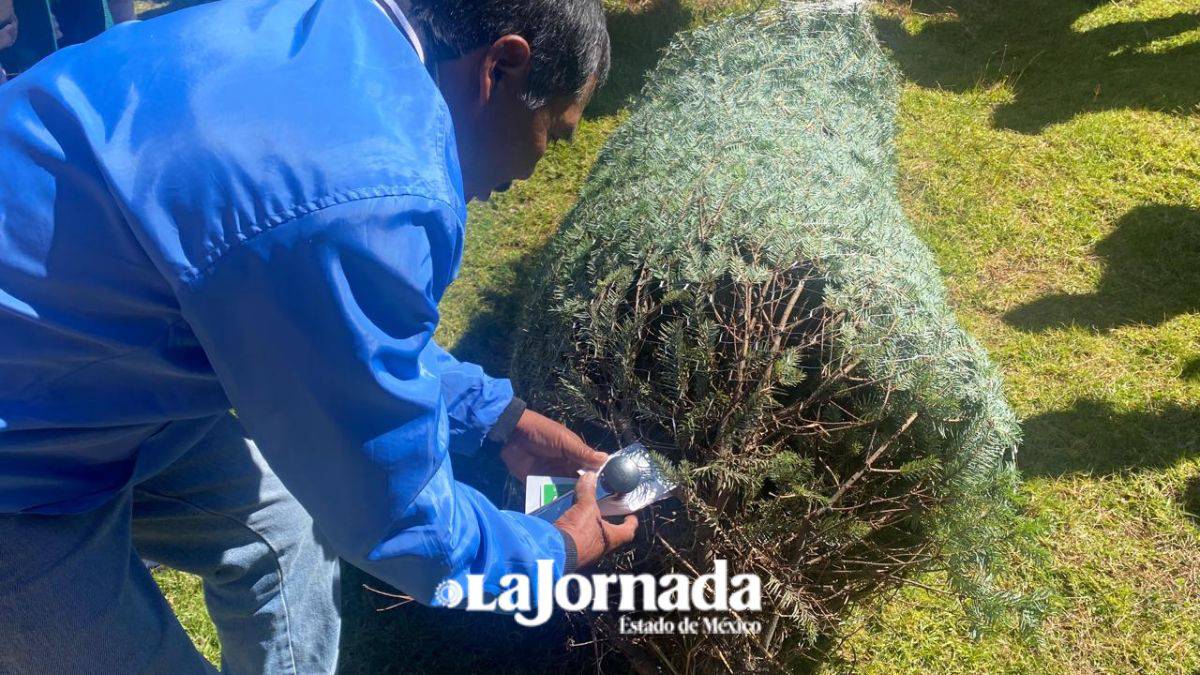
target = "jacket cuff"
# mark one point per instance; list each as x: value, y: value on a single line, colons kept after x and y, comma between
x: 507, y: 422
x: 571, y: 563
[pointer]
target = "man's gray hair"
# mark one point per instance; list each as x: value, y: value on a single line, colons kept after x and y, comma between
x: 569, y: 38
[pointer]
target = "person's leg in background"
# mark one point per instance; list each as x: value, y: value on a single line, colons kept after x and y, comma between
x: 271, y: 587
x: 75, y: 598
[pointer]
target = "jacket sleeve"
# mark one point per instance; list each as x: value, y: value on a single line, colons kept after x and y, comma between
x: 320, y: 331
x: 479, y: 406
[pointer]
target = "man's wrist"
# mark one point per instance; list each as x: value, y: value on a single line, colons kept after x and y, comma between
x: 502, y: 430
x: 571, y: 560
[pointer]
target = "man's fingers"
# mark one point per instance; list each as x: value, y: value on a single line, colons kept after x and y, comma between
x: 544, y: 437
x: 519, y: 463
x: 628, y: 527
x: 585, y: 490
x: 619, y: 534
x: 582, y: 454
x: 592, y: 459
x: 555, y: 467
x: 568, y: 445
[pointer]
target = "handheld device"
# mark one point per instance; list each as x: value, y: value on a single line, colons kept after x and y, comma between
x: 629, y: 481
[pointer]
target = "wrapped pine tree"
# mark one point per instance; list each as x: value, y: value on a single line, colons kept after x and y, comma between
x: 738, y: 289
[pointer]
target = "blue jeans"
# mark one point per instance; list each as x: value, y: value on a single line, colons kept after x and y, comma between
x: 76, y: 598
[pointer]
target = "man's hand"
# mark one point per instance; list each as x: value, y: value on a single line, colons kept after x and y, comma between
x: 540, y: 446
x: 593, y: 536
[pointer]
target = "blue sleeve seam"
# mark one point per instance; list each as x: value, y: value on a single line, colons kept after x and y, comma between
x: 195, y: 274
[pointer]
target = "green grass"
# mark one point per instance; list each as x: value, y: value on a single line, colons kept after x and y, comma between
x: 187, y: 599
x: 1050, y: 155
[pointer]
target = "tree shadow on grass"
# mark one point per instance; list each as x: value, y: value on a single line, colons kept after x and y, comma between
x: 1152, y: 274
x: 1190, y: 499
x: 378, y: 640
x: 1093, y: 438
x: 1054, y: 70
x: 639, y: 34
x: 1191, y: 370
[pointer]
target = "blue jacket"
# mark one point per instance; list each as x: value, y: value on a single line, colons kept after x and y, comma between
x: 258, y: 204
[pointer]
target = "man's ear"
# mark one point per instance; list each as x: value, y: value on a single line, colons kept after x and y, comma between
x: 505, y: 67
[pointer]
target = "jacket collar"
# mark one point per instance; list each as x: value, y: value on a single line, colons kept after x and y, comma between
x: 395, y: 11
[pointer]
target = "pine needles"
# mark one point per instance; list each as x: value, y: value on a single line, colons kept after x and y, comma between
x: 738, y: 288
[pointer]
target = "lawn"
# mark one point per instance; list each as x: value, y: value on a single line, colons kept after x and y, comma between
x: 1050, y: 155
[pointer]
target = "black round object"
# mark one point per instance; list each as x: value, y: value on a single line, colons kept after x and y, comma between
x: 621, y: 475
